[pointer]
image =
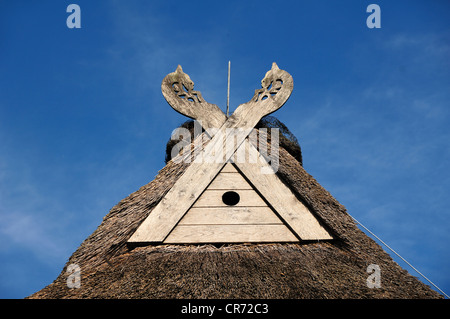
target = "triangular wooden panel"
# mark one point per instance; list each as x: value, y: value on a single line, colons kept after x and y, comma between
x: 213, y: 219
x: 203, y: 183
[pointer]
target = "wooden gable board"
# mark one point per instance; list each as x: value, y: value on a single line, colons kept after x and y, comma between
x: 186, y: 191
x: 210, y: 220
x: 240, y: 223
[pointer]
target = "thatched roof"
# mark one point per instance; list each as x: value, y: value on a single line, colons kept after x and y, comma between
x: 331, y: 269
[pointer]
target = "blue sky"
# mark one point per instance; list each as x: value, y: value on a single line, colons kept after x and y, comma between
x: 83, y: 122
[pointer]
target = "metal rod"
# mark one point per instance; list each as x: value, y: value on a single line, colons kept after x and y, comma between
x: 228, y: 93
x: 398, y: 255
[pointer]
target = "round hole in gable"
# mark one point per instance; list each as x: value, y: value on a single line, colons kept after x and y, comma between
x: 230, y: 198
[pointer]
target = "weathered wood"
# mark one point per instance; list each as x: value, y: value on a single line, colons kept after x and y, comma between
x: 229, y: 168
x: 230, y: 216
x: 277, y: 86
x: 281, y: 198
x: 229, y: 181
x: 197, y: 176
x: 213, y: 198
x: 176, y: 202
x: 230, y: 234
x: 178, y: 90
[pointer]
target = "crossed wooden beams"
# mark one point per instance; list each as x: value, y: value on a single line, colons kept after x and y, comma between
x: 178, y: 90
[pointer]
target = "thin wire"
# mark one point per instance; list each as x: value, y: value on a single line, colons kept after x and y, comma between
x: 400, y: 257
x: 228, y: 94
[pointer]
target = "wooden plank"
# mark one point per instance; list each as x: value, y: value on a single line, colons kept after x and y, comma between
x: 229, y: 181
x: 230, y: 215
x: 229, y: 168
x: 177, y: 201
x: 178, y: 90
x: 164, y: 217
x: 198, y: 176
x: 281, y: 198
x: 192, y: 105
x: 230, y: 234
x: 213, y: 198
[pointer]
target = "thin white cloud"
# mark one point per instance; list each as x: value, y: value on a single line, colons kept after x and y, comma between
x: 31, y: 221
x: 429, y: 44
x: 427, y: 54
x: 28, y: 231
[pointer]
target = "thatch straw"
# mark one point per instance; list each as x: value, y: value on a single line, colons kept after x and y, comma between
x: 335, y: 269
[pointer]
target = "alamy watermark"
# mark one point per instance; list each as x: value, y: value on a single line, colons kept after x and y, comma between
x: 74, y: 276
x: 374, y: 19
x: 374, y: 279
x: 74, y: 19
x: 189, y: 147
